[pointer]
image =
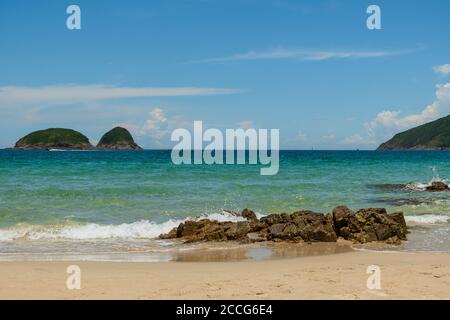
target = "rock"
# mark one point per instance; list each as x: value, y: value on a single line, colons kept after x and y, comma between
x: 238, y: 231
x: 437, y: 186
x: 313, y: 226
x: 171, y: 235
x: 399, y: 218
x: 249, y: 214
x: 367, y: 225
x: 256, y: 237
x: 277, y: 230
x: 275, y: 218
x: 341, y: 215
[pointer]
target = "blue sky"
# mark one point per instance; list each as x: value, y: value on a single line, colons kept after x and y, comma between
x: 310, y: 68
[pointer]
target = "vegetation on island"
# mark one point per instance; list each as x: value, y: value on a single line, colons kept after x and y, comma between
x: 55, y: 138
x: 434, y: 135
x: 68, y: 139
x: 117, y: 139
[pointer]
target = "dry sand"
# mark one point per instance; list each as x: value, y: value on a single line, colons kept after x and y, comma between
x: 338, y: 276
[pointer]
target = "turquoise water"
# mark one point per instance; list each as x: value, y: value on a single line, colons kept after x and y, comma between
x: 137, y: 195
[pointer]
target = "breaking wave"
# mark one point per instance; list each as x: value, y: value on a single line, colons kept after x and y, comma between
x: 143, y: 229
x: 421, y: 186
x: 428, y: 219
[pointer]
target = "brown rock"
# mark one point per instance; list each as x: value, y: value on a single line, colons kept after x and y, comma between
x: 256, y: 237
x: 367, y: 225
x: 238, y: 231
x: 249, y: 214
x: 276, y: 230
x: 437, y: 186
x: 171, y: 235
x: 275, y: 218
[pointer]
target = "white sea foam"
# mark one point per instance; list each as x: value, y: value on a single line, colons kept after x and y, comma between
x: 143, y: 229
x: 421, y: 186
x: 417, y: 186
x: 428, y: 219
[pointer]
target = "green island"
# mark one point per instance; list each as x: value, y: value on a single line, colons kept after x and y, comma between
x: 434, y: 135
x: 117, y: 139
x: 54, y: 138
x: 68, y: 139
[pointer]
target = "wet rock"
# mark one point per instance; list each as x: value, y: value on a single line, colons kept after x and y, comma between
x: 277, y: 230
x: 400, y: 219
x: 172, y: 234
x: 437, y: 186
x: 275, y: 218
x: 367, y: 225
x: 249, y: 214
x: 256, y: 237
x: 238, y: 231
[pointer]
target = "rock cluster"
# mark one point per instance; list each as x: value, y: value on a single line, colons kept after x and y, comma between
x: 366, y: 225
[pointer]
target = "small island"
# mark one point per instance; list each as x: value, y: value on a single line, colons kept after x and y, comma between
x: 68, y: 139
x: 434, y: 135
x: 54, y: 138
x: 117, y: 139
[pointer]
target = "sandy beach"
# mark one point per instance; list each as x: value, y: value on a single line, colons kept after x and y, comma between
x: 336, y: 276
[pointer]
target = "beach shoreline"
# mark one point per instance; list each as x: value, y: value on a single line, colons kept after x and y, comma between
x: 335, y: 276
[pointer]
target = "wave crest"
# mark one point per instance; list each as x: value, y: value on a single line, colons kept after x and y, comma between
x: 143, y: 229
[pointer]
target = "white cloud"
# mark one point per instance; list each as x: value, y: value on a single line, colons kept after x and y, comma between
x: 158, y: 127
x: 247, y: 124
x: 443, y: 69
x: 392, y: 121
x: 68, y: 94
x: 157, y: 124
x: 354, y: 139
x: 302, y: 54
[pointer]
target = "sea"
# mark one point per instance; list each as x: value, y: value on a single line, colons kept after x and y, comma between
x: 111, y: 205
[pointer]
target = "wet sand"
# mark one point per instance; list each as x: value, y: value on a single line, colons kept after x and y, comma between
x: 322, y: 276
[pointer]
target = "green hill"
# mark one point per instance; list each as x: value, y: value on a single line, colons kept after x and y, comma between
x: 54, y: 138
x: 118, y: 139
x: 431, y: 136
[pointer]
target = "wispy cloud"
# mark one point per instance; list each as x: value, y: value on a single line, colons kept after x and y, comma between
x: 443, y: 69
x: 302, y: 54
x: 354, y: 139
x: 68, y: 94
